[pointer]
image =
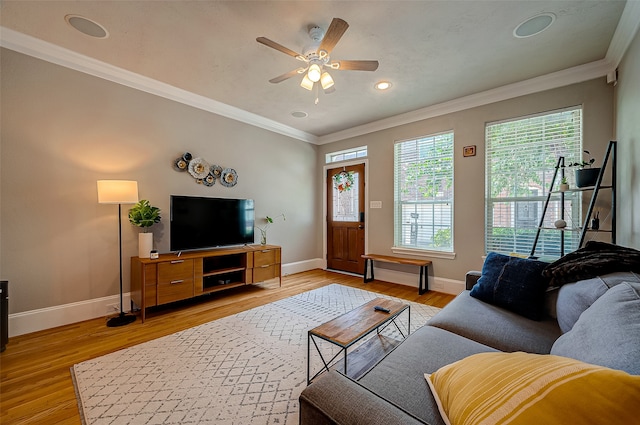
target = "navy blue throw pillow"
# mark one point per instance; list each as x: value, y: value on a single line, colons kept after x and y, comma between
x: 491, y: 270
x: 513, y: 283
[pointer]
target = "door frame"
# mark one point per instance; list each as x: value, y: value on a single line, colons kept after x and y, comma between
x: 326, y: 167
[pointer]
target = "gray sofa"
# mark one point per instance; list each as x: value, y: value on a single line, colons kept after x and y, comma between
x: 394, y: 391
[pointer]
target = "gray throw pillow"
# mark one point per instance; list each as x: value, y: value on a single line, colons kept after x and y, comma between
x: 607, y: 333
x: 574, y: 298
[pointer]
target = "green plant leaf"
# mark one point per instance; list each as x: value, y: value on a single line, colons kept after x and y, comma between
x: 143, y: 214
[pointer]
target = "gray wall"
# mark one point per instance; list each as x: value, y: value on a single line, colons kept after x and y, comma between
x: 468, y: 127
x: 63, y: 130
x: 628, y: 135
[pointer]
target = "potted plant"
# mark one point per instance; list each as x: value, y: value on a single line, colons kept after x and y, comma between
x: 585, y: 174
x: 144, y: 215
x: 564, y: 185
x: 268, y: 222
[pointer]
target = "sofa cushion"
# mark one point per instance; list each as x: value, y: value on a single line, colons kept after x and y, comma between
x: 399, y: 376
x: 608, y: 332
x: 524, y: 388
x: 513, y: 283
x: 336, y: 399
x: 574, y: 298
x: 495, y: 326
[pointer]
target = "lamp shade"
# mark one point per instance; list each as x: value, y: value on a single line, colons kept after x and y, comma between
x: 306, y: 83
x: 326, y: 80
x: 117, y: 192
x: 314, y: 73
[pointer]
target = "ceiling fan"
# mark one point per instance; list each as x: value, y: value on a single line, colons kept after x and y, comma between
x: 316, y: 58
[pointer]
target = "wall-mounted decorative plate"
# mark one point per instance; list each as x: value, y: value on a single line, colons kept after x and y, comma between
x: 205, y: 173
x: 216, y: 170
x: 199, y: 168
x: 209, y: 180
x: 180, y: 164
x: 229, y: 177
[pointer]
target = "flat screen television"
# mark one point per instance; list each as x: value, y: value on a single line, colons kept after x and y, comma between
x: 200, y: 223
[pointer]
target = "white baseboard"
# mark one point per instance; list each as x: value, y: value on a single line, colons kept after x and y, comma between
x: 51, y: 317
x: 60, y: 315
x: 435, y: 283
x: 302, y: 266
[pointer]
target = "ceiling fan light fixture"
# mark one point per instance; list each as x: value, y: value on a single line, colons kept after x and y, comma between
x: 314, y: 73
x: 306, y: 83
x: 326, y: 80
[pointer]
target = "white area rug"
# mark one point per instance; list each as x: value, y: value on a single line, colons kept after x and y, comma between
x: 248, y: 368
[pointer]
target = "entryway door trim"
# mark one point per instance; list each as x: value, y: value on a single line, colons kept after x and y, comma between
x: 324, y: 203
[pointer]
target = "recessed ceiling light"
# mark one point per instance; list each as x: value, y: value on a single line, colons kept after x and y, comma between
x: 87, y: 26
x: 382, y: 85
x: 299, y: 114
x: 534, y: 25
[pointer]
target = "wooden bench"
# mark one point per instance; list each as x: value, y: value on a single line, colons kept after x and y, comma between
x: 423, y: 285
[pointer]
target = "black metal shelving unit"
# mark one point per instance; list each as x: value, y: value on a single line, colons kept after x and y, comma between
x: 609, y: 159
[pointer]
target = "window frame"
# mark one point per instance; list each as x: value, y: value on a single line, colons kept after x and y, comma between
x: 421, y: 249
x: 551, y: 139
x: 350, y: 154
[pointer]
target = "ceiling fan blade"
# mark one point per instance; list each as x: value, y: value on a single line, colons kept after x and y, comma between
x: 355, y: 65
x: 279, y: 47
x: 286, y: 76
x: 333, y: 35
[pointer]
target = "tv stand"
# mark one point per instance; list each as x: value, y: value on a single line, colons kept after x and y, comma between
x: 175, y: 277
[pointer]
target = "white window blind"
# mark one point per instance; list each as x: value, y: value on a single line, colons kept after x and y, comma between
x: 521, y: 156
x: 423, y: 193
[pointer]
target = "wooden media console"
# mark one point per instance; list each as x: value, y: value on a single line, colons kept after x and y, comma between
x: 174, y: 277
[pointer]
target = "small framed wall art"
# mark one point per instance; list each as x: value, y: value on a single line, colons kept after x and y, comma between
x: 469, y: 150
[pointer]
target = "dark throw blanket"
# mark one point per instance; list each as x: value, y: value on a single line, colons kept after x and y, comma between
x: 595, y: 259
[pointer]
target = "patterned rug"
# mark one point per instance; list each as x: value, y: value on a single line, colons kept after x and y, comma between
x: 248, y: 368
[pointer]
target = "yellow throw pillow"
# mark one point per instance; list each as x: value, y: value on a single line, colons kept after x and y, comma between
x: 533, y: 389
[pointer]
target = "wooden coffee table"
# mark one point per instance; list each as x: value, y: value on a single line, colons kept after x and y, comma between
x: 351, y: 327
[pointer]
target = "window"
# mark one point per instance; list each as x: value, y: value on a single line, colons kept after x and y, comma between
x: 347, y: 154
x: 521, y: 156
x: 423, y: 193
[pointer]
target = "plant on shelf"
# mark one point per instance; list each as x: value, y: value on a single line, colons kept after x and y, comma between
x: 144, y: 215
x: 583, y: 164
x: 585, y: 174
x: 564, y: 185
x: 268, y: 222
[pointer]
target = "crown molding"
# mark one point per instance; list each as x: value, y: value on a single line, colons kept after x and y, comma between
x: 49, y: 52
x: 554, y: 80
x: 625, y: 31
x: 628, y: 26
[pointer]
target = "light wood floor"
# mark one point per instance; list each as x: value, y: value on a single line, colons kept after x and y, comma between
x: 36, y: 385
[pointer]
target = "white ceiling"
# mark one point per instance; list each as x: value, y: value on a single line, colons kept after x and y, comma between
x: 204, y: 53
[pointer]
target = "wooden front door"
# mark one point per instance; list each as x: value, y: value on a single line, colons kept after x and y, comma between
x: 345, y: 218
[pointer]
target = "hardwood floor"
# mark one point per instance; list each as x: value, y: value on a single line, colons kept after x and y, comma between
x: 35, y: 379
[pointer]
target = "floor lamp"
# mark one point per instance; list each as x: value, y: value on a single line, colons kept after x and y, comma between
x: 118, y: 192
